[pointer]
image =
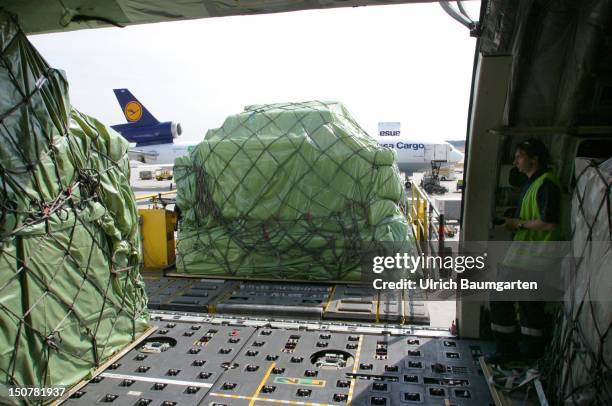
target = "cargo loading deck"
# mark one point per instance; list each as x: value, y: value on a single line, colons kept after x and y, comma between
x: 317, y: 345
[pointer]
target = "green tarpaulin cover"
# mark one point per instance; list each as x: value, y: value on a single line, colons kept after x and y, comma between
x: 287, y: 191
x: 70, y: 290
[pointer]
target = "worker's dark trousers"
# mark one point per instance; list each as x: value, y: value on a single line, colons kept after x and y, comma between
x: 503, y: 325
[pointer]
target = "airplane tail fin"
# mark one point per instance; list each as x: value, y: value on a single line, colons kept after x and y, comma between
x: 134, y: 112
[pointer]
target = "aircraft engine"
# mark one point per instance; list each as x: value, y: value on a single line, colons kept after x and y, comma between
x: 176, y: 130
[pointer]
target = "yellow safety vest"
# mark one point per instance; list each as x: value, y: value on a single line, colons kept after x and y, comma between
x: 533, y: 249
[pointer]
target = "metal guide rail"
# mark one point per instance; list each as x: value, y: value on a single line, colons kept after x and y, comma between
x: 299, y: 300
x: 213, y: 360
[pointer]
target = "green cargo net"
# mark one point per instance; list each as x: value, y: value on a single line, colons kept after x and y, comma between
x: 288, y: 191
x: 71, y: 294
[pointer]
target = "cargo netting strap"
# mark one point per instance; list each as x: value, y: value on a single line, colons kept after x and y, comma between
x: 71, y: 294
x: 577, y: 364
x: 287, y: 191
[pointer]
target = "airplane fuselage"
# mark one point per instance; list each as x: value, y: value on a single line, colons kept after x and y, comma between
x: 415, y: 155
x: 412, y: 156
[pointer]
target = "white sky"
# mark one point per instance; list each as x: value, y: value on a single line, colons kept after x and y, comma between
x: 408, y: 63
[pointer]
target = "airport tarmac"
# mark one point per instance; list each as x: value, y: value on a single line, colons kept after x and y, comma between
x: 149, y: 187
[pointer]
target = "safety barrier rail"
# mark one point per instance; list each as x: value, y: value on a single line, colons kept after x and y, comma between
x: 155, y: 195
x: 428, y: 224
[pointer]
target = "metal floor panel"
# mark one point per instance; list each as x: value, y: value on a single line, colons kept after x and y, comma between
x: 181, y: 374
x: 239, y: 362
x: 300, y: 300
x: 165, y: 289
x: 276, y: 299
x: 353, y: 302
x: 198, y: 296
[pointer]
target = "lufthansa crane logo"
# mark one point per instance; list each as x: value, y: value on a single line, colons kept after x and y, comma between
x: 133, y: 111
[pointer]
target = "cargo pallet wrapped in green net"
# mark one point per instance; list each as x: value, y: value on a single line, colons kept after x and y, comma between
x: 287, y: 191
x: 71, y: 295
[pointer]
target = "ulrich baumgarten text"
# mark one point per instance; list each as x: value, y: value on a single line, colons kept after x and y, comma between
x: 450, y: 284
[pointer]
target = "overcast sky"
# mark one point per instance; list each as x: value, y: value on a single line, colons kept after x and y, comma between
x: 407, y: 63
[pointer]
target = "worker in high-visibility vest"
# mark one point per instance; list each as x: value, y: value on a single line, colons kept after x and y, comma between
x: 535, y: 226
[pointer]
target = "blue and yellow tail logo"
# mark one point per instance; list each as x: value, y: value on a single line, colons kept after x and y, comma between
x: 133, y: 111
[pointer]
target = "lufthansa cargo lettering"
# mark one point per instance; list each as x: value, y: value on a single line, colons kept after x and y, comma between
x: 402, y: 145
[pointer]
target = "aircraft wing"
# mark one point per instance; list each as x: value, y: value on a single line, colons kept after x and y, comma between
x: 142, y: 156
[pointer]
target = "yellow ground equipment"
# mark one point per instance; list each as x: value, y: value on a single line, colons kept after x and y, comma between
x: 157, y: 230
x: 419, y: 213
x: 163, y: 174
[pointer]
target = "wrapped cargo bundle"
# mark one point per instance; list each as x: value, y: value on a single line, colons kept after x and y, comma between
x: 577, y: 366
x: 71, y: 294
x: 287, y: 191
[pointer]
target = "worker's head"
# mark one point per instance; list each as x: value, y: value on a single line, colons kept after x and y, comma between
x: 531, y: 156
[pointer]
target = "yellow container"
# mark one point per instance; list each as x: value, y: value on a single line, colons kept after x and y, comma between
x: 157, y: 231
